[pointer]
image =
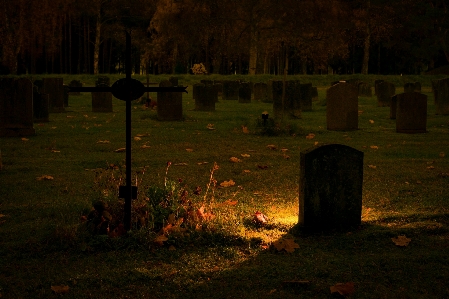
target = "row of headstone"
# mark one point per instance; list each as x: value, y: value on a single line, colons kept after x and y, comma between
x: 409, y: 109
x: 342, y: 107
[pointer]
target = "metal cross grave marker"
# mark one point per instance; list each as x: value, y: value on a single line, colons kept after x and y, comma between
x: 128, y: 90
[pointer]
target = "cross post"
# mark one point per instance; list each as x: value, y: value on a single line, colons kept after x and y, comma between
x: 128, y: 90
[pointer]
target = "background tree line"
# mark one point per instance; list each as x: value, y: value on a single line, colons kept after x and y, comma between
x: 227, y: 36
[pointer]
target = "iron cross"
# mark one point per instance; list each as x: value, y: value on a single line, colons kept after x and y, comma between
x: 128, y: 90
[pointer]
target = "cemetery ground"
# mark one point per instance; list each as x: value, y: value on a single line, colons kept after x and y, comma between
x: 49, y: 182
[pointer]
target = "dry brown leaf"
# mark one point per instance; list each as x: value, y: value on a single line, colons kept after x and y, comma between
x: 245, y: 130
x: 430, y: 167
x: 189, y: 150
x: 201, y: 163
x: 374, y: 147
x: 210, y: 126
x: 103, y: 141
x: 44, y: 177
x: 442, y: 154
x: 60, y: 289
x: 245, y: 155
x: 284, y: 150
x: 316, y: 143
x: 230, y: 202
x: 227, y: 183
x: 145, y: 146
x: 120, y: 150
x: 288, y: 245
x: 235, y: 159
x: 181, y: 164
x: 172, y: 248
x: 25, y: 139
x: 310, y: 136
x: 55, y: 151
x: 137, y: 138
x: 159, y: 240
x: 371, y: 121
x: 344, y: 289
x: 203, y: 215
x: 260, y: 218
x: 262, y: 166
x: 246, y: 171
x: 272, y: 146
x: 372, y: 166
x: 401, y: 241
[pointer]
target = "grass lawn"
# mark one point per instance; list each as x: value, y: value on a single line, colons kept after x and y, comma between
x: 45, y: 253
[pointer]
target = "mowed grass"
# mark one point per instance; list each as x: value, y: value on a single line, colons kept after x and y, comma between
x: 404, y: 193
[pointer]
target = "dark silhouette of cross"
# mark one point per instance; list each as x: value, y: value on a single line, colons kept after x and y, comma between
x: 128, y: 89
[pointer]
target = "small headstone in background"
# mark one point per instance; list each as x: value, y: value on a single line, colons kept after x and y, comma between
x: 305, y: 102
x: 205, y: 97
x: 260, y: 92
x: 245, y: 92
x: 16, y: 107
x: 102, y: 101
x: 314, y: 93
x: 231, y: 90
x: 66, y: 89
x: 75, y: 83
x: 376, y: 84
x: 342, y: 112
x: 331, y: 182
x: 55, y: 90
x: 364, y: 90
x: 41, y: 106
x: 385, y: 90
x: 195, y: 90
x: 411, y: 113
x: 169, y: 104
x: 441, y: 96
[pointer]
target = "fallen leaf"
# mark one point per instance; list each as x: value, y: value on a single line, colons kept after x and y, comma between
x: 401, y: 241
x: 272, y: 146
x: 45, y: 177
x: 284, y: 150
x: 371, y: 121
x: 245, y: 155
x: 203, y: 215
x: 227, y: 183
x: 442, y: 154
x: 120, y: 150
x: 201, y: 163
x: 25, y: 139
x: 230, y: 202
x: 344, y: 289
x: 245, y: 130
x: 189, y: 150
x: 172, y: 248
x: 103, y: 141
x: 235, y: 160
x: 55, y: 151
x: 142, y: 135
x: 60, y: 289
x: 316, y: 143
x: 430, y: 167
x: 70, y: 116
x: 310, y: 136
x: 260, y: 218
x: 86, y: 116
x: 137, y: 138
x: 374, y: 147
x: 181, y: 164
x: 145, y: 146
x: 159, y: 240
x: 246, y: 171
x: 288, y: 245
x: 372, y: 166
x: 210, y: 126
x: 262, y: 166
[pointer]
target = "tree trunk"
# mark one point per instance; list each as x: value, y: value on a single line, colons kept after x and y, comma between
x: 97, y: 43
x: 367, y: 40
x: 253, y: 50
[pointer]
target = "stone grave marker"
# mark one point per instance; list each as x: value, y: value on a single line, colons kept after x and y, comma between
x: 244, y: 93
x: 169, y: 104
x: 205, y: 97
x: 55, y: 90
x: 102, y: 101
x: 41, y: 106
x: 75, y: 83
x: 342, y: 112
x: 385, y: 90
x: 364, y: 90
x: 66, y: 89
x: 231, y: 90
x: 16, y: 107
x: 331, y: 182
x: 411, y: 112
x: 305, y: 102
x: 441, y: 96
x: 376, y: 84
x: 260, y: 92
x: 314, y: 93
